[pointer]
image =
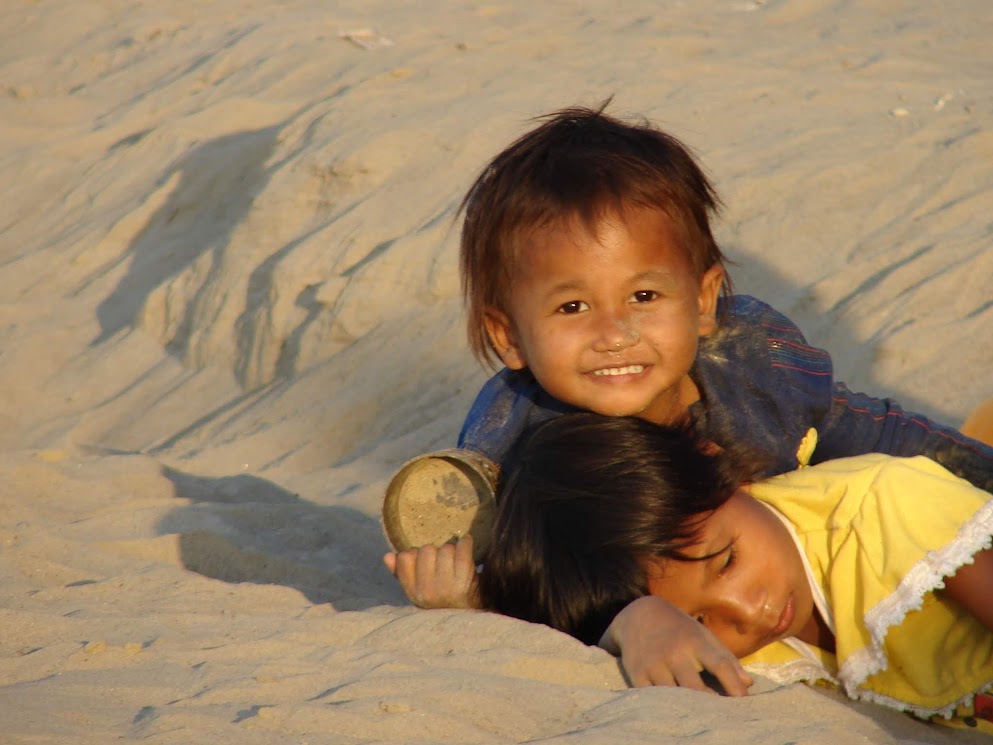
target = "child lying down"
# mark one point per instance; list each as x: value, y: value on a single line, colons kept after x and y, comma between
x: 874, y: 573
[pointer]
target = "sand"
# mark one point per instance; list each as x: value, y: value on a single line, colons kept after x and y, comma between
x: 230, y: 311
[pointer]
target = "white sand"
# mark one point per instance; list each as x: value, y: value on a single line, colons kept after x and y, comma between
x: 230, y: 310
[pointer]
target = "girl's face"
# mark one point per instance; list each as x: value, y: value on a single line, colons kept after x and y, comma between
x: 609, y: 322
x: 752, y: 591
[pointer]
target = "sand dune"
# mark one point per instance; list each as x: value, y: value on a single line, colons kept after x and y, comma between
x: 230, y: 311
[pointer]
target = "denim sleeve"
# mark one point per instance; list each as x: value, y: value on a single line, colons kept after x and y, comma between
x: 858, y: 423
x: 510, y: 403
x: 762, y: 384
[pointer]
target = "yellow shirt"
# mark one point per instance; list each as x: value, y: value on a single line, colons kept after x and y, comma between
x: 878, y: 535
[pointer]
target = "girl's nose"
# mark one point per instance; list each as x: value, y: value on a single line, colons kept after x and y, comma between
x: 615, y: 333
x: 745, y: 609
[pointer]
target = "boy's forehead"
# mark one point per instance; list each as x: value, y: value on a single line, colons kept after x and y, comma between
x: 581, y: 228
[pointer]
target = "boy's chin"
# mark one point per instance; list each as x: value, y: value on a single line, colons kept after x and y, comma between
x: 638, y: 409
x: 639, y: 412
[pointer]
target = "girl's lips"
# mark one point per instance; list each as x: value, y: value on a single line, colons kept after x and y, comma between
x: 785, y: 618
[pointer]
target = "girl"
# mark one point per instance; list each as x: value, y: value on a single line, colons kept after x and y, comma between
x: 872, y: 572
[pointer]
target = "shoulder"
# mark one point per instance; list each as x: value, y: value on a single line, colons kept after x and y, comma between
x: 878, y: 490
x: 505, y: 395
x: 760, y: 382
x: 778, y: 336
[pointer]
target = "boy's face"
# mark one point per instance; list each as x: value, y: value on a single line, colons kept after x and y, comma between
x: 753, y: 591
x: 609, y: 322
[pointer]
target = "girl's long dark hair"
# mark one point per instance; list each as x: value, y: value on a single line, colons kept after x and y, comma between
x: 590, y: 497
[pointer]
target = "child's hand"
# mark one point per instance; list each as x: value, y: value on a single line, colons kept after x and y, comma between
x: 435, y: 577
x: 660, y: 645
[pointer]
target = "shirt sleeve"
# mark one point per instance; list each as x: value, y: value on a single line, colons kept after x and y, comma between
x: 509, y: 404
x: 765, y: 385
x: 858, y: 423
x: 762, y: 384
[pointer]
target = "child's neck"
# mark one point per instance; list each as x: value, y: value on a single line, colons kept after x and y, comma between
x: 673, y: 410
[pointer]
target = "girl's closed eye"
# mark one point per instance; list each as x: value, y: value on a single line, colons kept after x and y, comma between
x: 732, y: 556
x: 573, y: 306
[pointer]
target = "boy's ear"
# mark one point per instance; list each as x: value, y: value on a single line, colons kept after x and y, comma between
x: 501, y: 333
x: 710, y: 290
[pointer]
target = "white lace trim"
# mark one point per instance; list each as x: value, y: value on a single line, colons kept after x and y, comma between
x: 922, y: 712
x: 800, y: 670
x: 808, y: 668
x: 926, y: 575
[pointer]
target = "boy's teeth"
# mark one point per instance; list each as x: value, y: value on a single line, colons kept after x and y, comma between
x: 628, y: 370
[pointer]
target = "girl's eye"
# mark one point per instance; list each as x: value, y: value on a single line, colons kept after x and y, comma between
x: 573, y: 307
x: 729, y: 561
x: 645, y: 296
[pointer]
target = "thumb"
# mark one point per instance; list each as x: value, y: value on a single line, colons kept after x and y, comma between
x: 390, y: 559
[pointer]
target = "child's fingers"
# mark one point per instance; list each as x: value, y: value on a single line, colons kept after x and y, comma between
x: 732, y: 677
x: 718, y: 660
x: 686, y: 673
x: 657, y: 676
x: 439, y: 573
x: 406, y: 571
x: 425, y: 568
x: 390, y: 560
x: 465, y: 567
x: 436, y: 577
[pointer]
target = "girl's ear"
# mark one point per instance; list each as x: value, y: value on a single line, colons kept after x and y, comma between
x: 500, y: 330
x: 710, y: 290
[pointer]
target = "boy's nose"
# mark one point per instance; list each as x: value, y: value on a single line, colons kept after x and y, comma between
x: 615, y: 333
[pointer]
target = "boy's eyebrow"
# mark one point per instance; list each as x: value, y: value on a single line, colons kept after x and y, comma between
x: 570, y: 285
x: 657, y: 274
x: 576, y: 285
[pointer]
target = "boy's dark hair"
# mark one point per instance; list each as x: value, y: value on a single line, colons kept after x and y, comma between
x: 579, y: 164
x: 590, y: 498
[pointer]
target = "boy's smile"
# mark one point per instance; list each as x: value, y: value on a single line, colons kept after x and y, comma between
x: 609, y: 322
x: 751, y: 589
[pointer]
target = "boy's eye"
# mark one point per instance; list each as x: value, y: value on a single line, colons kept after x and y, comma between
x: 573, y: 307
x: 645, y: 296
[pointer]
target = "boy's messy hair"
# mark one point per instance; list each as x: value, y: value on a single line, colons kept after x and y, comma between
x: 579, y: 164
x: 592, y: 497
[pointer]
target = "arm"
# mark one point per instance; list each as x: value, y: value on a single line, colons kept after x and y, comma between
x: 972, y: 587
x: 766, y: 386
x: 858, y: 423
x: 781, y: 386
x: 660, y: 645
x: 508, y: 405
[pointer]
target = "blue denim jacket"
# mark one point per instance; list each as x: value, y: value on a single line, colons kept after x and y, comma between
x: 762, y: 385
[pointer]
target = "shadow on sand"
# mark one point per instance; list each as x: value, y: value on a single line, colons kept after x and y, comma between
x: 246, y: 529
